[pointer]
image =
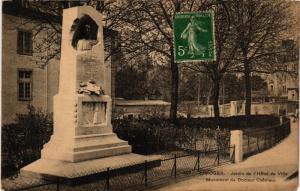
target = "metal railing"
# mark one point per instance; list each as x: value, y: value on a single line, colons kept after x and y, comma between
x: 263, y: 139
x: 142, y: 175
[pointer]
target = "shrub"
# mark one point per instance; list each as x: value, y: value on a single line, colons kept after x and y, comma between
x: 158, y: 134
x: 23, y: 140
x: 143, y: 135
x: 231, y: 123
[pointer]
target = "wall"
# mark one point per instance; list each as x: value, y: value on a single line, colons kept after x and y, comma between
x: 141, y: 108
x: 11, y: 61
x: 238, y: 108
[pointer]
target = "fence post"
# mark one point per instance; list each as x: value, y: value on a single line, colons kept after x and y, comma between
x: 281, y: 120
x: 198, y: 160
x: 107, y: 179
x: 236, y: 139
x: 57, y: 184
x: 145, y: 173
x: 276, y: 135
x: 233, y: 153
x: 265, y: 142
x: 218, y: 155
x: 175, y: 166
x: 248, y: 142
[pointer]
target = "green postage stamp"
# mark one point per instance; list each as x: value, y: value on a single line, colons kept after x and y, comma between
x: 194, y: 37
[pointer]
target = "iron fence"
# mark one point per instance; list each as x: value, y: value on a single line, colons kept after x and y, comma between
x: 261, y: 140
x: 139, y: 176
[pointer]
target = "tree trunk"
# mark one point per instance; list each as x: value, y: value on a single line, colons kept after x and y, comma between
x: 215, y: 97
x: 247, y: 73
x: 174, y: 88
x: 208, y: 96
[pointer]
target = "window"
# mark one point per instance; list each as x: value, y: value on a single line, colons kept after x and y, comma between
x: 24, y: 42
x: 272, y: 88
x: 288, y: 44
x: 284, y: 89
x: 25, y: 84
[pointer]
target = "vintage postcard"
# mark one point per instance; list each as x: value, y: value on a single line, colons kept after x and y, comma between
x: 160, y: 95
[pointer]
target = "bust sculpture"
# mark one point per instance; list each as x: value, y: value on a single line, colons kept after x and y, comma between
x: 86, y: 43
x: 85, y: 33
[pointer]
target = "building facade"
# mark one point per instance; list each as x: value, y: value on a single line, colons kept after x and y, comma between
x: 24, y: 82
x: 285, y: 85
x: 25, y: 79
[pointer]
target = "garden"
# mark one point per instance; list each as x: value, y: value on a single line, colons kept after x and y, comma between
x: 23, y: 140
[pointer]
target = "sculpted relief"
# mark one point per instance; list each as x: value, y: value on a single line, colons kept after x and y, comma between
x: 93, y: 113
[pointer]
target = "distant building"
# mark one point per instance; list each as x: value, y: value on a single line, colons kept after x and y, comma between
x: 285, y: 85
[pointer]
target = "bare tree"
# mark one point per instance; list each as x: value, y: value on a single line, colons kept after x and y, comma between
x: 259, y: 27
x: 225, y: 51
x: 148, y: 25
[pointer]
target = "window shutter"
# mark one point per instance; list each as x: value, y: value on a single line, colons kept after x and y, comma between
x: 20, y: 42
x: 29, y: 38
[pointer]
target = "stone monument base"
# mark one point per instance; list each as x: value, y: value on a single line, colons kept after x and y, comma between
x: 85, y: 135
x: 86, y: 147
x: 45, y: 168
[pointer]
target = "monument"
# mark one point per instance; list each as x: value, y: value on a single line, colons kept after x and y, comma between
x: 82, y: 135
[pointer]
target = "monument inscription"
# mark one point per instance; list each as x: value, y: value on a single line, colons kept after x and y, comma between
x: 89, y: 69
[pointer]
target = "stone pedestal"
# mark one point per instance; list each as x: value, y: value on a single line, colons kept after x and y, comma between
x: 236, y: 139
x: 281, y: 120
x: 210, y: 109
x: 233, y: 108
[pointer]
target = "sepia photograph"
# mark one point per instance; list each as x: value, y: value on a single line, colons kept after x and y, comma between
x: 150, y: 95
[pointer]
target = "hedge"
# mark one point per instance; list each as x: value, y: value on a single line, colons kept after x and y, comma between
x: 23, y: 140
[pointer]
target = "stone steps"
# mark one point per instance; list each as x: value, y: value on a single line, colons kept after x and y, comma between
x: 86, y: 147
x: 101, y: 152
x: 101, y: 144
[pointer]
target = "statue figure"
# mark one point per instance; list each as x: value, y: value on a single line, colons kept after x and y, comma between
x: 190, y: 33
x: 96, y: 116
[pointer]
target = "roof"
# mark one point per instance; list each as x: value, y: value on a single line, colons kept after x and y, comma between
x: 141, y: 103
x: 296, y: 89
